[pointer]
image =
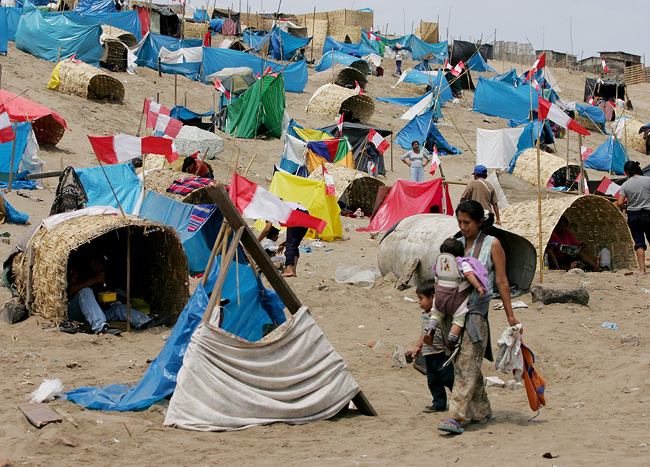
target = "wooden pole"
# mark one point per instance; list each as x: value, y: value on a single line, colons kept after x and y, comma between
x: 313, y: 34
x: 566, y: 181
x: 216, y: 247
x: 185, y: 102
x: 232, y: 151
x: 175, y: 89
x: 111, y: 186
x: 58, y: 58
x: 128, y: 279
x: 392, y: 138
x: 250, y: 164
x: 582, y: 165
x: 539, y: 209
x: 13, y: 154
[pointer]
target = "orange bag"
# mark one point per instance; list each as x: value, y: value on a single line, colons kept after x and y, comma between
x: 535, y: 384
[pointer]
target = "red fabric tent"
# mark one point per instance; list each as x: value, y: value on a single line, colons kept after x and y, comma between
x: 48, y: 125
x: 408, y: 199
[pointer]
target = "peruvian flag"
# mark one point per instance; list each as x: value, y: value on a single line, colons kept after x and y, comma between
x: 154, y: 107
x: 329, y: 182
x: 218, y: 85
x: 551, y: 111
x: 6, y: 132
x: 164, y: 123
x: 591, y: 100
x: 357, y: 88
x: 609, y: 188
x: 579, y: 181
x: 373, y: 167
x: 435, y: 160
x: 372, y: 37
x: 585, y: 152
x: 339, y: 123
x: 536, y: 84
x: 121, y: 148
x: 254, y: 202
x: 267, y: 71
x: 605, y: 69
x: 447, y: 65
x: 458, y: 69
x: 380, y: 143
x: 538, y: 65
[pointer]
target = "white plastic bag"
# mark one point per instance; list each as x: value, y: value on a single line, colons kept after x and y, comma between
x: 49, y: 390
x: 364, y: 278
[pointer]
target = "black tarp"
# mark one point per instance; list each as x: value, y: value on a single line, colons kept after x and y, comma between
x: 357, y: 135
x: 609, y: 90
x: 221, y: 14
x: 463, y: 50
x: 170, y: 25
x: 464, y: 82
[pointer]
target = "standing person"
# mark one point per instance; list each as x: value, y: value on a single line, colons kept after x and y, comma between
x: 482, y: 191
x: 637, y: 192
x: 207, y: 41
x: 398, y: 61
x: 438, y: 377
x: 469, y: 402
x: 416, y: 162
x: 373, y: 155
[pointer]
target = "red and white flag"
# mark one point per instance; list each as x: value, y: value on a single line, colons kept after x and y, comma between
x: 609, y: 188
x: 372, y: 37
x: 458, y: 69
x: 591, y: 100
x: 267, y: 71
x: 339, y: 123
x: 585, y: 152
x: 605, y: 69
x: 121, y: 148
x: 218, y: 85
x: 372, y: 166
x: 536, y: 84
x: 435, y: 161
x: 538, y: 65
x: 329, y: 182
x: 154, y: 107
x: 254, y: 202
x: 447, y: 65
x: 579, y: 181
x: 357, y: 88
x: 547, y: 109
x: 380, y: 143
x: 6, y: 132
x: 164, y: 123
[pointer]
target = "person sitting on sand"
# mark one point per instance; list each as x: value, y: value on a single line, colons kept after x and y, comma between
x: 559, y: 260
x: 190, y: 166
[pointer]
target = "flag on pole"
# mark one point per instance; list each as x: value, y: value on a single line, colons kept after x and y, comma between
x: 121, y: 148
x: 6, y: 132
x: 154, y: 107
x: 605, y: 69
x: 458, y: 69
x: 164, y: 124
x: 538, y: 65
x: 585, y: 152
x: 329, y: 182
x: 267, y: 71
x: 536, y: 84
x: 591, y: 100
x: 579, y: 181
x: 435, y: 161
x: 372, y: 37
x: 380, y: 143
x: 254, y: 202
x: 609, y: 188
x: 218, y: 85
x: 339, y: 123
x: 357, y: 88
x: 447, y: 65
x: 551, y: 111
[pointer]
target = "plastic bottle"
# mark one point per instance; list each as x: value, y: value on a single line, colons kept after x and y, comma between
x: 546, y: 262
x: 605, y: 257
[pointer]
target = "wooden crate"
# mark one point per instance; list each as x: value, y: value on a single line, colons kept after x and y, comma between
x: 634, y: 74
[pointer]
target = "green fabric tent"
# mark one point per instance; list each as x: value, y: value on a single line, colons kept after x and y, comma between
x: 259, y: 110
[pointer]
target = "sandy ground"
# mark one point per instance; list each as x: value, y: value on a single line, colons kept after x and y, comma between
x: 596, y: 393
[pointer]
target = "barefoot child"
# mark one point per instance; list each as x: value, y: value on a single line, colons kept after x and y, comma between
x: 438, y: 377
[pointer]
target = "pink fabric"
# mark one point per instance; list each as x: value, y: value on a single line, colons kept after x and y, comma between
x: 568, y: 239
x: 143, y: 14
x: 477, y: 268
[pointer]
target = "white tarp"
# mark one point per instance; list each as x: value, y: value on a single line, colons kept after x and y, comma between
x: 550, y: 79
x: 295, y: 150
x: 182, y: 55
x: 496, y: 148
x: 419, y: 108
x: 293, y: 375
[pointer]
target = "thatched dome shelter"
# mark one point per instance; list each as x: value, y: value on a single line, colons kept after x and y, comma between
x: 551, y: 166
x: 331, y: 100
x: 127, y: 37
x: 159, y: 180
x: 87, y: 81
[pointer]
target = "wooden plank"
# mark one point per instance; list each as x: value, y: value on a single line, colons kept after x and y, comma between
x: 220, y: 197
x: 39, y: 414
x: 43, y: 175
x: 363, y: 404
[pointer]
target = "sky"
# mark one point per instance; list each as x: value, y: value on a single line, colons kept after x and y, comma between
x: 598, y: 25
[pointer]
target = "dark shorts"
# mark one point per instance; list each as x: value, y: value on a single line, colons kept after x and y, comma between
x: 639, y: 223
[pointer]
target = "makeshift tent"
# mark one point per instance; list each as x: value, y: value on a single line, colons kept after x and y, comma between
x: 42, y: 35
x: 591, y: 115
x: 496, y: 148
x: 420, y: 237
x: 528, y: 139
x: 435, y: 80
x: 463, y: 50
x: 294, y: 156
x: 407, y: 198
x: 331, y: 101
x: 608, y: 157
x: 378, y: 47
x: 629, y: 130
x: 191, y: 118
x: 85, y: 7
x: 123, y: 181
x: 116, y: 55
x: 159, y: 180
x: 201, y: 15
x: 281, y: 44
x: 423, y: 130
x: 359, y: 49
x: 552, y: 169
x: 4, y: 31
x: 22, y: 132
x: 128, y: 38
x: 125, y: 20
x: 12, y: 15
x: 418, y: 48
x: 311, y: 195
x: 335, y: 150
x: 407, y: 101
x: 330, y: 58
x: 86, y: 81
x: 607, y: 89
x: 593, y: 219
x: 499, y: 99
x: 253, y: 37
x: 158, y: 265
x: 232, y: 21
x: 215, y: 59
x: 357, y: 136
x: 48, y: 126
x: 477, y: 63
x: 164, y: 21
x: 511, y: 77
x: 182, y: 56
x: 292, y: 28
x: 235, y: 80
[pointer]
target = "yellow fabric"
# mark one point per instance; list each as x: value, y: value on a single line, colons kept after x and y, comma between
x: 312, y: 135
x: 314, y: 161
x: 311, y: 195
x: 54, y: 78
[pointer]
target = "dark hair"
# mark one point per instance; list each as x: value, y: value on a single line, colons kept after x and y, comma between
x: 427, y: 288
x: 414, y: 141
x: 632, y: 168
x: 187, y: 163
x: 453, y: 247
x: 272, y: 233
x: 563, y: 219
x: 210, y: 28
x: 475, y: 211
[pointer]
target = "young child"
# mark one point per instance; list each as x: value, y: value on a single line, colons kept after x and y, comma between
x: 455, y: 283
x: 269, y: 243
x: 438, y: 377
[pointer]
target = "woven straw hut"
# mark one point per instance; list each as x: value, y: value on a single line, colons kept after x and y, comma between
x: 342, y: 75
x: 114, y: 54
x: 331, y: 100
x: 159, y: 267
x: 127, y: 37
x: 159, y: 180
x: 592, y: 219
x: 550, y: 167
x: 89, y: 82
x: 352, y: 188
x: 195, y: 30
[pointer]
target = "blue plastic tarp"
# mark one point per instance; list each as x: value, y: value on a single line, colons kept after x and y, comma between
x: 593, y: 112
x: 500, y: 99
x: 128, y: 21
x: 438, y: 81
x: 13, y: 215
x: 183, y: 113
x: 150, y: 50
x: 511, y: 77
x: 423, y: 130
x: 609, y: 156
x: 373, y: 44
x: 42, y: 35
x: 334, y: 56
x: 283, y: 46
x: 245, y: 315
x: 528, y: 139
x: 125, y: 182
x: 252, y: 38
x: 359, y: 48
x: 419, y: 49
x: 201, y: 15
x: 4, y: 31
x: 22, y: 133
x: 217, y: 24
x: 476, y: 63
x: 13, y: 15
x: 407, y: 101
x: 86, y: 7
x: 215, y: 59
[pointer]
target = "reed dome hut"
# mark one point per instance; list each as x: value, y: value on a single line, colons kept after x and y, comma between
x: 551, y: 168
x: 331, y: 100
x: 158, y: 180
x: 341, y: 75
x: 85, y: 81
x: 126, y: 37
x: 592, y: 219
x: 159, y: 271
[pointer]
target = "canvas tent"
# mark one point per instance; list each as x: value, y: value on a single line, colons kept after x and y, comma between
x: 608, y: 157
x: 496, y: 148
x: 423, y: 129
x: 607, y: 89
x: 281, y: 44
x: 359, y: 49
x: 48, y: 125
x: 182, y: 56
x: 500, y: 99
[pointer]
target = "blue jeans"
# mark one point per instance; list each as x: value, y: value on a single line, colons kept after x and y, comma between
x: 399, y: 66
x: 84, y: 307
x: 416, y: 174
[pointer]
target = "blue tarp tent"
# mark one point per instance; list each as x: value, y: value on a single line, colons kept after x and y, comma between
x: 422, y: 129
x: 510, y: 77
x: 201, y: 15
x: 334, y: 56
x: 419, y: 48
x: 126, y: 184
x: 13, y: 15
x: 438, y: 81
x: 377, y: 47
x: 528, y: 139
x: 183, y: 113
x: 86, y: 7
x: 244, y: 316
x: 4, y: 31
x: 214, y: 59
x: 609, y: 156
x: 476, y: 63
x: 252, y: 38
x: 42, y: 35
x: 407, y: 101
x: 150, y: 49
x: 128, y: 21
x: 500, y: 99
x: 360, y: 48
x: 282, y: 45
x: 217, y: 24
x: 22, y: 133
x: 594, y: 113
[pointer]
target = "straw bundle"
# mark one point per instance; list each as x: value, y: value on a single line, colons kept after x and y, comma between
x: 159, y: 180
x: 159, y: 265
x: 333, y: 100
x: 592, y: 219
x: 128, y: 38
x: 634, y: 140
x: 428, y: 32
x: 114, y: 54
x: 526, y: 166
x: 89, y: 82
x: 195, y: 30
x: 361, y: 193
